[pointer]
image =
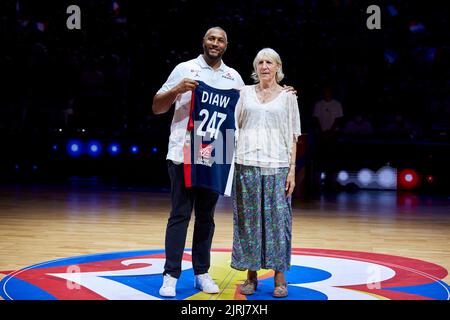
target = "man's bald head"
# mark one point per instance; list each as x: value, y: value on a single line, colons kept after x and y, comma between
x: 216, y: 29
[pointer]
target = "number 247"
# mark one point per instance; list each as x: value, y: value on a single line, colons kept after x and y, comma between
x: 214, y: 123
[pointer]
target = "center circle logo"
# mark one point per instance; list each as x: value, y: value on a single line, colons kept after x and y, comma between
x: 315, y: 274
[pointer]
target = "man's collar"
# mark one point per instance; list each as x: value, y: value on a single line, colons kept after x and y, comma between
x: 203, y: 64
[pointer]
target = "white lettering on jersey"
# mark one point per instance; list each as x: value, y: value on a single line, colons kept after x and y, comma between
x: 217, y: 100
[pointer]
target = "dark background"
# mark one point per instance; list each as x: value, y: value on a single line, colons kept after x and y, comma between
x: 98, y: 82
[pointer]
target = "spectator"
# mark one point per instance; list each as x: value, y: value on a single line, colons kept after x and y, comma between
x: 358, y: 126
x: 399, y: 127
x: 328, y: 113
x: 328, y: 117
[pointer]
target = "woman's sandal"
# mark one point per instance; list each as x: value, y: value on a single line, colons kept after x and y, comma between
x: 249, y: 287
x: 280, y: 290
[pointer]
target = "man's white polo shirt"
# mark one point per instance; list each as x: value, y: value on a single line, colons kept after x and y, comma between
x: 196, y: 69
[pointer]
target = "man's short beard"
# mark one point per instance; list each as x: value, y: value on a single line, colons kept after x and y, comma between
x: 206, y: 52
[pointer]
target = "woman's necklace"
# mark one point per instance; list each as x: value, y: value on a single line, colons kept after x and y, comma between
x: 267, y: 94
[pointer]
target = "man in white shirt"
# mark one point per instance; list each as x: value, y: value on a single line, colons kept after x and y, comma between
x: 328, y: 112
x: 209, y: 68
x: 329, y: 115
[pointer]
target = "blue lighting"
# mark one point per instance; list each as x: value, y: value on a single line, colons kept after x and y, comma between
x: 114, y: 149
x: 74, y: 148
x: 390, y: 56
x: 392, y: 10
x: 94, y: 148
x: 154, y: 150
x: 55, y: 147
x: 134, y: 149
x: 430, y: 54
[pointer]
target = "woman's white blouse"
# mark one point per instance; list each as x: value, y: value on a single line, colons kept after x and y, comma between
x: 266, y: 131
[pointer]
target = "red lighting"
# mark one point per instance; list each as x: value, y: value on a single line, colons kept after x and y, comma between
x: 408, y: 179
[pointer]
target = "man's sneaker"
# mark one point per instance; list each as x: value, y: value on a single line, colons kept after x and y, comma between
x: 168, y: 287
x: 204, y: 283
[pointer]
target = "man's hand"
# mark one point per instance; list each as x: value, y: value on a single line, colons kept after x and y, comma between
x: 185, y: 85
x: 163, y: 101
x: 289, y: 89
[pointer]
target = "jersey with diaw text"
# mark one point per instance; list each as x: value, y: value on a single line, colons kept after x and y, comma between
x: 210, y: 140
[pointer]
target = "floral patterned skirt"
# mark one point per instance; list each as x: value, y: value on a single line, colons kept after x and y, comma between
x: 262, y: 219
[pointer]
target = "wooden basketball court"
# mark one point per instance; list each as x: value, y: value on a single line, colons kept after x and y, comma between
x: 42, y: 223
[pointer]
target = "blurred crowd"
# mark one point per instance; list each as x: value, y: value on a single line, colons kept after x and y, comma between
x: 392, y: 82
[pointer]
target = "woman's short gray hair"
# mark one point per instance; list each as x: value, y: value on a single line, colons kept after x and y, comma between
x: 270, y: 54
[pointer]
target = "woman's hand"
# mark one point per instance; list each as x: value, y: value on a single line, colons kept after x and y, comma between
x: 290, y: 181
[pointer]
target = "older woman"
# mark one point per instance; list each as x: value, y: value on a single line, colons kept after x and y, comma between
x: 268, y: 125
